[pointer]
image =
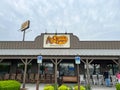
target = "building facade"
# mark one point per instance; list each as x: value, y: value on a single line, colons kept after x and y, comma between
x: 58, y: 51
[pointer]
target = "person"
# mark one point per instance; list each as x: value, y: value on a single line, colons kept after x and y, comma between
x: 118, y: 77
x: 107, y: 78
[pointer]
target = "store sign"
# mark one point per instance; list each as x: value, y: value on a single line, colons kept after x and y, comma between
x: 39, y: 59
x: 56, y: 41
x: 77, y: 60
x: 25, y: 25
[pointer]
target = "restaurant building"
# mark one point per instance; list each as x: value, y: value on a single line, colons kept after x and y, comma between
x: 58, y: 51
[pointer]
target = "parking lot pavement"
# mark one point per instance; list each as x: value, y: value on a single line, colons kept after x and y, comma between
x: 41, y: 87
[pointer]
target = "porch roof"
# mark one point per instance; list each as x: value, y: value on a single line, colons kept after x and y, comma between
x: 60, y: 52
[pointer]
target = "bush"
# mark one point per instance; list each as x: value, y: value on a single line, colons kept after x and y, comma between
x: 81, y: 88
x: 88, y: 87
x: 63, y: 87
x: 55, y: 86
x: 9, y: 85
x: 48, y: 87
x: 117, y: 86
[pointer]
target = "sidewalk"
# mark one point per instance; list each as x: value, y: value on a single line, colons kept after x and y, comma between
x: 103, y: 88
x: 33, y: 86
x: 41, y: 87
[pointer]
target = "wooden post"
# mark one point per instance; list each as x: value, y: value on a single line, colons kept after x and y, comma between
x: 55, y: 71
x: 77, y: 61
x: 88, y: 75
x: 24, y: 35
x: 25, y: 70
x: 37, y: 84
x: 78, y: 76
x: 56, y: 62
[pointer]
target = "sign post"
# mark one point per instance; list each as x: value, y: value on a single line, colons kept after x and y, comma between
x: 25, y: 26
x: 77, y: 61
x: 39, y: 61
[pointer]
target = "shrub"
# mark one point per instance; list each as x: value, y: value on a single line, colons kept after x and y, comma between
x: 88, y: 87
x: 48, y: 87
x: 81, y: 88
x: 63, y: 87
x: 9, y: 85
x: 55, y: 86
x: 117, y: 86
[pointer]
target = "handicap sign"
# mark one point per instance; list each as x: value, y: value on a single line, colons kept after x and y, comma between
x: 39, y: 59
x: 77, y: 60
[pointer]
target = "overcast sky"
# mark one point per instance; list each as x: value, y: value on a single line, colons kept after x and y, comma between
x: 87, y: 19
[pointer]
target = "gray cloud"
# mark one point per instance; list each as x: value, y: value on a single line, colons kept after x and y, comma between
x: 81, y: 17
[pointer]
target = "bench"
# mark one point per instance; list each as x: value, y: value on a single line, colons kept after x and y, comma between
x: 69, y: 79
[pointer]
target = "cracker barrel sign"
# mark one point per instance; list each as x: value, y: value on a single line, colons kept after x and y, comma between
x: 56, y: 41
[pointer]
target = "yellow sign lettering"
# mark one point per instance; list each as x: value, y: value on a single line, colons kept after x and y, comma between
x: 57, y: 39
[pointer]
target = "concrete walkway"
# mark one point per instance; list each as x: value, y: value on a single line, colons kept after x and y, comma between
x: 41, y: 87
x: 103, y: 88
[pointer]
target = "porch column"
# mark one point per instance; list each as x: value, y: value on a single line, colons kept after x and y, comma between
x: 88, y: 74
x: 56, y: 62
x: 26, y: 62
x: 87, y: 62
x: 56, y: 69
